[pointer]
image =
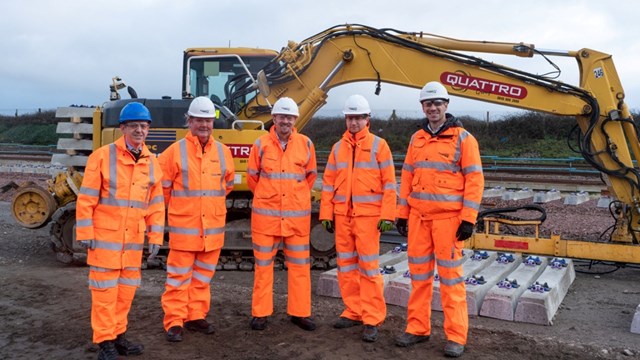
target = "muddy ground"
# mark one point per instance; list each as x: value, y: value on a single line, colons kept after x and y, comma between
x: 45, y: 312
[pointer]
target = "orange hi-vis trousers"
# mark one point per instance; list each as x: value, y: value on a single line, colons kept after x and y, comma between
x: 187, y: 294
x: 432, y: 242
x: 296, y: 252
x: 112, y: 292
x: 359, y: 278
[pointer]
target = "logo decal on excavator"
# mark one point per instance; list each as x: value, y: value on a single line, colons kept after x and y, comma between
x: 240, y: 150
x: 462, y: 81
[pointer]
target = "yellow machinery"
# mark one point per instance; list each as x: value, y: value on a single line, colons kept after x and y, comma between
x: 243, y: 83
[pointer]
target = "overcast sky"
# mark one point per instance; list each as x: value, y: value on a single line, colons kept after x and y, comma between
x: 58, y: 53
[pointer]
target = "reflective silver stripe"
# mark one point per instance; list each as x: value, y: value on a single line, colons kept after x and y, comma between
x: 370, y: 272
x: 296, y: 247
x: 407, y: 167
x: 104, y: 284
x: 152, y: 176
x: 223, y: 165
x: 347, y: 255
x: 297, y: 260
x: 155, y: 228
x: 342, y: 165
x: 184, y: 230
x: 253, y: 171
x: 347, y: 268
x: 463, y: 135
x: 471, y: 204
x: 177, y: 283
x: 184, y: 163
x: 309, y: 148
x: 158, y: 199
x: 402, y: 202
x: 113, y: 170
x: 84, y: 222
x: 450, y: 264
x: 89, y: 192
x: 264, y: 262
x: 264, y: 249
x: 202, y: 277
x: 340, y: 198
x: 123, y: 203
x: 99, y: 269
x: 390, y: 186
x: 471, y: 169
x: 204, y: 265
x: 282, y: 176
x: 175, y: 270
x: 258, y: 144
x: 436, y: 197
x: 130, y: 246
x: 366, y: 198
x: 384, y: 164
x: 129, y: 281
x: 328, y: 188
x: 368, y: 258
x: 101, y: 244
x: 330, y: 166
x: 198, y: 193
x: 132, y: 268
x: 422, y: 277
x: 437, y: 165
x: 420, y: 259
x: 366, y: 165
x: 284, y: 213
x: 167, y: 183
x: 451, y: 282
x: 214, y: 231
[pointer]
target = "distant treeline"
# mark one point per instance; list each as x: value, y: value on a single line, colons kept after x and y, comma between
x: 528, y: 134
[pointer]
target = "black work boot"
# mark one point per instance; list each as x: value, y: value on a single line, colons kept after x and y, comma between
x: 259, y: 323
x: 304, y: 323
x: 344, y: 323
x: 408, y: 339
x: 453, y: 349
x: 174, y: 334
x: 108, y: 351
x: 370, y: 333
x: 200, y: 325
x: 126, y: 348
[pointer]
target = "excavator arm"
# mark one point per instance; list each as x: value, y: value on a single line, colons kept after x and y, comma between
x: 350, y: 53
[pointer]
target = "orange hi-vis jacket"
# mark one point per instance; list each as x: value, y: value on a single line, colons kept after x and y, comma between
x: 120, y: 199
x: 442, y: 176
x: 359, y: 179
x: 195, y: 184
x: 281, y: 182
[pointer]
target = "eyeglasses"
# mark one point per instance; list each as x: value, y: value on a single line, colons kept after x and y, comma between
x: 134, y: 126
x: 437, y: 103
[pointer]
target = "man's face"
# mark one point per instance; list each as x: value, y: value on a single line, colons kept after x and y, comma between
x: 435, y: 110
x: 135, y: 132
x: 200, y: 127
x: 284, y: 124
x: 355, y: 123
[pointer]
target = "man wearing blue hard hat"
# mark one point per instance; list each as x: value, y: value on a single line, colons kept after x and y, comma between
x: 121, y: 197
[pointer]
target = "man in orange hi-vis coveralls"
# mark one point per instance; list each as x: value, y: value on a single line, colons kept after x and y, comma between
x: 359, y: 191
x: 198, y: 173
x: 280, y: 173
x: 440, y: 194
x: 120, y: 198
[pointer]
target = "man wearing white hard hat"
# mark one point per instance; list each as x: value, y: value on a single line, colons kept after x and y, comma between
x: 358, y: 203
x: 280, y: 173
x: 198, y: 173
x: 440, y: 194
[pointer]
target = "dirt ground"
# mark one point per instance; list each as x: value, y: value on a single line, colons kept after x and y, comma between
x: 45, y: 312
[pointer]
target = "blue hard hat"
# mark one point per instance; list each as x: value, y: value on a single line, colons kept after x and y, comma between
x: 134, y: 111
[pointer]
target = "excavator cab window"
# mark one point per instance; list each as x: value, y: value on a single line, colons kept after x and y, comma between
x: 226, y: 79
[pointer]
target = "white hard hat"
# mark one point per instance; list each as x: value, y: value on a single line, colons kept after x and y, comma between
x: 285, y: 106
x: 202, y: 107
x: 356, y: 105
x: 433, y: 90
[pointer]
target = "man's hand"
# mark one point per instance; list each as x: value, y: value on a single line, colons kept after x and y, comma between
x: 328, y: 225
x: 402, y: 226
x: 385, y: 225
x: 153, y: 251
x: 464, y: 230
x: 86, y: 244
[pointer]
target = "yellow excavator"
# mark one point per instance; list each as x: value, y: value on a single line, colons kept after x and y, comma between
x: 243, y: 84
